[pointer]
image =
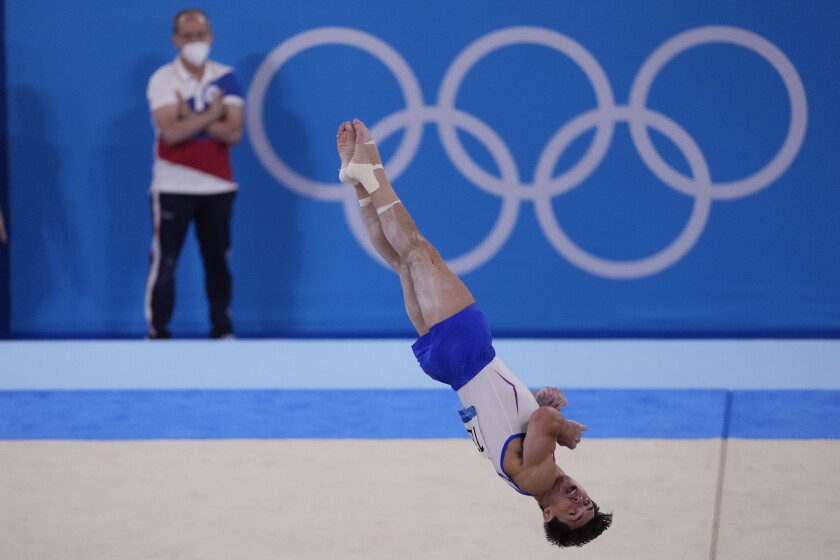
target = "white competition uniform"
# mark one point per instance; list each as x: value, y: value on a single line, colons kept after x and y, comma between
x: 497, y: 409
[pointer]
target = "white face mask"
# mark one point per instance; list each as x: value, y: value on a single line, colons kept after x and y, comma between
x: 196, y: 53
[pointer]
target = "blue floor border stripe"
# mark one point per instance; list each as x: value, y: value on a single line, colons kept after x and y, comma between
x: 785, y: 415
x: 403, y: 413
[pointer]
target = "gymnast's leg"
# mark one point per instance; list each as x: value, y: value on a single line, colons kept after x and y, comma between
x: 432, y: 291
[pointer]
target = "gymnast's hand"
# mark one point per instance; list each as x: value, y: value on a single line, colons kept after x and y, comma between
x: 570, y: 435
x: 549, y: 396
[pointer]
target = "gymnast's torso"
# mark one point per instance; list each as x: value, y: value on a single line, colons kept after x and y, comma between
x: 497, y: 407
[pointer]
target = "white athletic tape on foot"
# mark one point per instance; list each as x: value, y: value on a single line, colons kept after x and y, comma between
x: 364, y: 201
x: 379, y: 211
x: 363, y: 173
x: 342, y: 176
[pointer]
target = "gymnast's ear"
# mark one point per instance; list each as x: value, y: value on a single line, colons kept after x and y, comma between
x: 547, y: 514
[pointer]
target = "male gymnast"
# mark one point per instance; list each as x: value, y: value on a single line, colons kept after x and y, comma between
x: 517, y: 430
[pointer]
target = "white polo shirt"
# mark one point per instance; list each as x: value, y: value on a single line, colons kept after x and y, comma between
x: 200, y: 165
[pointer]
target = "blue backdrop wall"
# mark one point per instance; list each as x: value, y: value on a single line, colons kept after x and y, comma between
x: 599, y: 168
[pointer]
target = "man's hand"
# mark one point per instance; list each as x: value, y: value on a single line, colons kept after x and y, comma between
x: 182, y: 108
x: 217, y: 107
x: 569, y: 436
x: 549, y: 396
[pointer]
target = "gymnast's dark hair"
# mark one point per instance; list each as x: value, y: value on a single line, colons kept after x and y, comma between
x: 559, y: 534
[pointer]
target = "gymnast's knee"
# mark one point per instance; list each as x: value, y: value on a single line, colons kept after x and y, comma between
x: 420, y: 252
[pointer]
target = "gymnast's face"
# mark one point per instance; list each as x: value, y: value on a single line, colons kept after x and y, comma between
x: 569, y: 503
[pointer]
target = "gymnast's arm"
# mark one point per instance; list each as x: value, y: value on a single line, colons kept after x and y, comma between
x: 546, y: 428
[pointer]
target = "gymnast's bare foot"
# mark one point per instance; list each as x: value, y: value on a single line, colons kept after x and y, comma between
x: 366, y: 150
x: 365, y: 166
x: 346, y: 142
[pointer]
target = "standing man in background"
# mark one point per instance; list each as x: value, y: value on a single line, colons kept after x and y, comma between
x: 197, y: 112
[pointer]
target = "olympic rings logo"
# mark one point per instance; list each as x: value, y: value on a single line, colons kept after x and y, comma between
x: 508, y: 186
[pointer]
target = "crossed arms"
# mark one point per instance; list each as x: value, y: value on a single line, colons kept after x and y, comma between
x: 547, y: 428
x: 178, y: 122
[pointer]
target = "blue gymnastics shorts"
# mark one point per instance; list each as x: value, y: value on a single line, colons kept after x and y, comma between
x: 457, y: 348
